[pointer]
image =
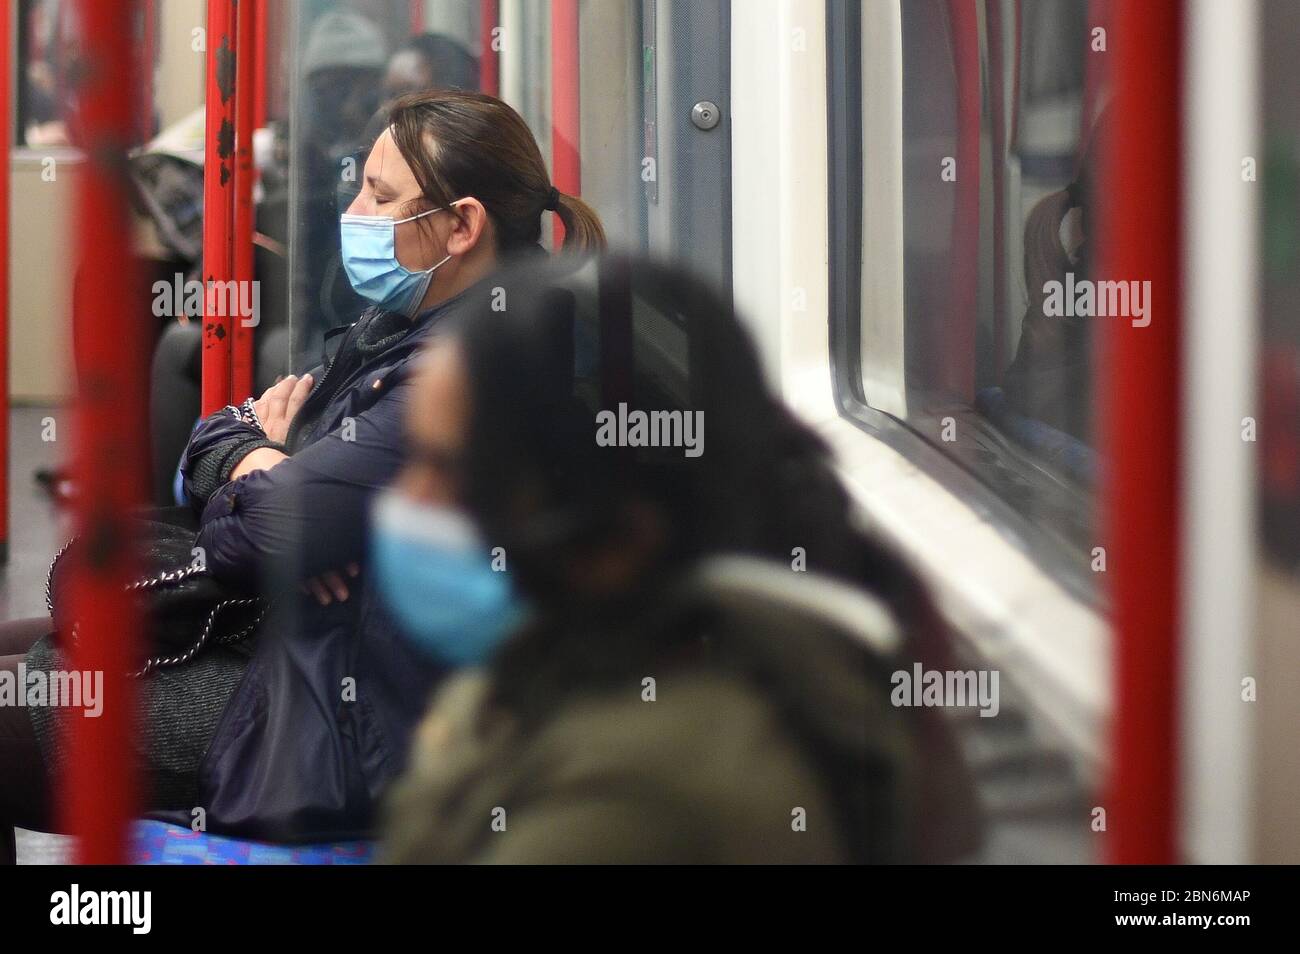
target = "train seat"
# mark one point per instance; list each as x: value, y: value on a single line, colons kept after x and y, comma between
x: 160, y: 843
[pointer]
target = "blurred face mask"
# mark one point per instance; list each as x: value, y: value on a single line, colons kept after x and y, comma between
x: 369, y: 246
x: 434, y: 574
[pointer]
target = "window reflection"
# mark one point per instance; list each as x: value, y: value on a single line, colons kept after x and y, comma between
x: 1003, y: 125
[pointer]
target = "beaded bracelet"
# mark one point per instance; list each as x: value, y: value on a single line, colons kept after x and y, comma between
x: 246, y: 412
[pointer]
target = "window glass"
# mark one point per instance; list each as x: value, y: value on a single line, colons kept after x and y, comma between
x: 1279, y: 359
x: 48, y: 49
x: 1275, y: 577
x: 1002, y: 121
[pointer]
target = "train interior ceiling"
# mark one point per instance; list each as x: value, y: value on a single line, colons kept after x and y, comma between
x: 907, y: 203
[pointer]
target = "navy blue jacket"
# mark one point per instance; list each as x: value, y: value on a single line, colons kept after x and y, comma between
x: 321, y: 720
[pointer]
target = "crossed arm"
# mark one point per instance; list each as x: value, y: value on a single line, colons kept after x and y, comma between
x: 304, y: 514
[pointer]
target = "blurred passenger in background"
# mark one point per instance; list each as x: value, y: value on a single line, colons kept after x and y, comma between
x: 342, y: 67
x: 1051, y: 376
x: 429, y: 61
x: 679, y: 652
x: 172, y: 192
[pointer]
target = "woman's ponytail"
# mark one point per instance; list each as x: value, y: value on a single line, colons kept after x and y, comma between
x: 459, y: 144
x: 582, y: 229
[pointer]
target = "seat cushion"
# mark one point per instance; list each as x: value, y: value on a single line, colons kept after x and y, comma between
x: 158, y: 843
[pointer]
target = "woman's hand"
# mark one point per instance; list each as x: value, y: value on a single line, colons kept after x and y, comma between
x: 329, y: 587
x: 276, y: 408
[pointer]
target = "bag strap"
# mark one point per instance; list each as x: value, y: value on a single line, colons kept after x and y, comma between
x: 168, y: 578
x: 163, y: 662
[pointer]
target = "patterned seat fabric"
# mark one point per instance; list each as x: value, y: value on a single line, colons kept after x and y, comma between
x: 157, y: 843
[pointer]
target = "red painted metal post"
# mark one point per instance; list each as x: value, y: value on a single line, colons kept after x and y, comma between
x: 566, y: 138
x: 489, y: 61
x: 98, y: 794
x: 416, y: 14
x: 260, y: 52
x: 6, y: 123
x: 959, y: 339
x: 1142, y: 228
x: 241, y: 359
x: 218, y: 205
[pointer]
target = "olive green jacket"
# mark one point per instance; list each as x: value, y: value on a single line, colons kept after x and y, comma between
x: 693, y: 764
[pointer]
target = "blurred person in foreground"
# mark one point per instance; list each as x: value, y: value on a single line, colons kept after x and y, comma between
x: 676, y: 645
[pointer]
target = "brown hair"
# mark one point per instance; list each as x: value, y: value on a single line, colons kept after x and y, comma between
x: 460, y: 144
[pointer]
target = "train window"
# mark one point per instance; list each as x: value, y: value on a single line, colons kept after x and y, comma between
x: 1277, y: 420
x: 1279, y: 368
x: 47, y: 57
x: 965, y: 139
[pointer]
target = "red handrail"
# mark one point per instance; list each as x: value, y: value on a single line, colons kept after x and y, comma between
x: 1141, y: 411
x: 218, y: 204
x: 97, y: 796
x: 260, y: 53
x: 566, y: 160
x: 489, y: 63
x: 246, y: 57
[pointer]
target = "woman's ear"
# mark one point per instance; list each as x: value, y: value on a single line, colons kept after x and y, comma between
x: 470, y: 227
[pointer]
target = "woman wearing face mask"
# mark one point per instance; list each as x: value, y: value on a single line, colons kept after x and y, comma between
x: 679, y: 648
x: 298, y: 741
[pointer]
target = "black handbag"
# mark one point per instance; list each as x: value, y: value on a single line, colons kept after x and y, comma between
x: 186, y: 609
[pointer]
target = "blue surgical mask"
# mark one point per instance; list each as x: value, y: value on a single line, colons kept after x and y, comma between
x: 369, y: 246
x: 435, y: 575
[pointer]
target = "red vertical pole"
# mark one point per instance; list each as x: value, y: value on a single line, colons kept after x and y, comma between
x: 260, y: 53
x: 566, y: 160
x: 959, y: 353
x: 6, y: 125
x: 1141, y: 228
x: 98, y: 796
x: 218, y: 205
x: 489, y: 62
x: 416, y: 12
x: 241, y: 359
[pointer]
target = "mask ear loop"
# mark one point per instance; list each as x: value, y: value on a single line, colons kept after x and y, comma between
x: 439, y: 265
x: 420, y: 215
